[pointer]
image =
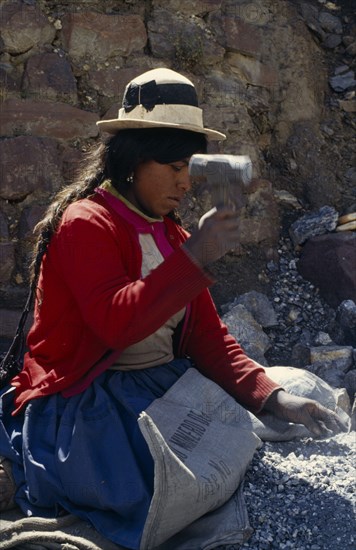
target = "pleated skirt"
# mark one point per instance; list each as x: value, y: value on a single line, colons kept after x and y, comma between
x: 85, y: 454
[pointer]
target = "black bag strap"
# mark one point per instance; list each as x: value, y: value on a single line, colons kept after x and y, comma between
x: 26, y: 310
x: 11, y: 362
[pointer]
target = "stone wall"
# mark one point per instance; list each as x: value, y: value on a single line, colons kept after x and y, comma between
x: 261, y: 71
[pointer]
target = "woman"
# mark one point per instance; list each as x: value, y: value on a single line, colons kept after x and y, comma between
x: 122, y: 310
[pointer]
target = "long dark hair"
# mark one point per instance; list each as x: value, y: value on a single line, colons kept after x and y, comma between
x: 115, y: 159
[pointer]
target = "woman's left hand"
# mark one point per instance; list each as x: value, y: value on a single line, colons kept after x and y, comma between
x: 319, y: 420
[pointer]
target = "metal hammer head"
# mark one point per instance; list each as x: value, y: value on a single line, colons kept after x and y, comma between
x: 226, y: 176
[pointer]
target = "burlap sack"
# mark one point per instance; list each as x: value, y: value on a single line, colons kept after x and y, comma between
x: 202, y: 442
x: 200, y: 454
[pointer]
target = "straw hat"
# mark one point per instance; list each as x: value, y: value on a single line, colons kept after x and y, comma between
x: 160, y: 98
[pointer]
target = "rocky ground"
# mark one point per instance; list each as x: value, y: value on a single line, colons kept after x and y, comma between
x: 302, y: 314
x: 301, y: 495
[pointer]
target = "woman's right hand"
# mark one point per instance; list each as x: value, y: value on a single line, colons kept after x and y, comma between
x: 217, y: 233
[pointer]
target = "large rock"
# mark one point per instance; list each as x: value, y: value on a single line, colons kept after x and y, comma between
x: 96, y: 37
x: 343, y: 80
x: 9, y: 80
x: 24, y: 27
x: 260, y: 222
x: 237, y: 35
x: 188, y: 41
x: 316, y: 182
x: 48, y: 76
x: 27, y: 164
x: 43, y: 118
x: 252, y: 70
x: 29, y: 218
x: 329, y: 262
x: 330, y: 23
x: 223, y: 90
x: 339, y: 357
x: 111, y: 82
x: 315, y: 223
x: 248, y: 332
x: 260, y: 307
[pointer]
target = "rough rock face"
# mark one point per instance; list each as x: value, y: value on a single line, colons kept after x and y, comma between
x: 329, y: 262
x: 97, y: 37
x: 50, y: 76
x: 277, y: 76
x: 24, y: 27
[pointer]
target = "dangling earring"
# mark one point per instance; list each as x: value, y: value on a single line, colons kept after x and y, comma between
x: 130, y: 178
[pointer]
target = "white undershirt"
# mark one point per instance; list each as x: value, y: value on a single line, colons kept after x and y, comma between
x: 157, y: 348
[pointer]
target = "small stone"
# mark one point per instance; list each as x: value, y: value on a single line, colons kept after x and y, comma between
x: 343, y: 400
x: 322, y: 339
x: 327, y: 130
x: 272, y: 266
x: 349, y: 105
x: 287, y: 199
x: 342, y: 82
x: 346, y: 314
x: 18, y: 278
x: 293, y: 315
x: 330, y: 23
x: 331, y: 41
x: 341, y: 69
x: 336, y: 357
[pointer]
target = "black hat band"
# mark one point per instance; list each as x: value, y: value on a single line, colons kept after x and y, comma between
x: 151, y: 94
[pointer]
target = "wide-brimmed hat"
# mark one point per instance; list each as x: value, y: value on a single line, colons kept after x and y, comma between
x: 160, y: 98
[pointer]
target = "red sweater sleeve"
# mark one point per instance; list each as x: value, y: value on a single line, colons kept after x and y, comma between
x: 219, y: 357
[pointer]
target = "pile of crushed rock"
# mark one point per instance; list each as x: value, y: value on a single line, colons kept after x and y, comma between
x: 302, y: 494
x: 303, y: 317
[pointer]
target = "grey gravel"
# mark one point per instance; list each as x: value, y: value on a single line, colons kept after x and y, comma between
x: 342, y: 82
x: 301, y: 312
x: 302, y: 495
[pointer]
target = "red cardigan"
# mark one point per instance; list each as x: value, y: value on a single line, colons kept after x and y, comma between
x: 90, y: 299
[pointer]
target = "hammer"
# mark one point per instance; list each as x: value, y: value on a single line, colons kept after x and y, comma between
x: 227, y: 177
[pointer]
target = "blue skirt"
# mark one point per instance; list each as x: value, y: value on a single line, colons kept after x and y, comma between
x: 86, y: 454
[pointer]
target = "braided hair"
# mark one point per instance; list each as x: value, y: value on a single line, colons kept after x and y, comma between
x: 115, y: 159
